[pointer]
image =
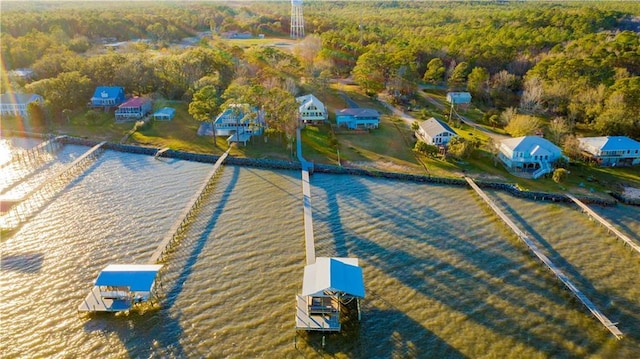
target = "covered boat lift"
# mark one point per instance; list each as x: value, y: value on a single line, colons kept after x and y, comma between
x: 328, y: 284
x: 121, y: 286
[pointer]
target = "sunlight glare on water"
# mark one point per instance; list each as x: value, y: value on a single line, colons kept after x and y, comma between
x: 443, y: 277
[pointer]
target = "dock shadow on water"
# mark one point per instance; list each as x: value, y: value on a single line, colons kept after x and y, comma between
x: 159, y: 332
x: 377, y: 335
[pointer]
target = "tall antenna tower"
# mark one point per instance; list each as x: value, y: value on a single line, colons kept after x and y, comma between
x: 297, y: 22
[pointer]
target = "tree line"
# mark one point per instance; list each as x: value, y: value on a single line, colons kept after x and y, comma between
x: 572, y: 62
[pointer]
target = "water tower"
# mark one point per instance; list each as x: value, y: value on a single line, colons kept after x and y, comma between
x: 297, y: 22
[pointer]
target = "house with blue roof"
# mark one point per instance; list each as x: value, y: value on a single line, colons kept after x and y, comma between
x: 458, y: 98
x: 358, y: 118
x: 435, y: 132
x: 529, y: 154
x: 611, y: 150
x: 108, y: 96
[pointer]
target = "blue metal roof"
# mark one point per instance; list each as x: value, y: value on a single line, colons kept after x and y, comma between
x: 620, y: 143
x: 138, y: 277
x: 166, y: 111
x: 107, y: 92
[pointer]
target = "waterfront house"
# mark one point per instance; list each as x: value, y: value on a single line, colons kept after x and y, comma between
x: 120, y: 286
x: 529, y: 154
x: 239, y: 122
x: 311, y: 110
x: 107, y: 96
x: 328, y: 285
x: 611, y: 150
x: 358, y: 118
x: 16, y: 104
x: 133, y: 109
x: 435, y: 132
x: 458, y: 98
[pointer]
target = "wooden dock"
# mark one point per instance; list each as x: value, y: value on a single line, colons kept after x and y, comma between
x: 188, y: 212
x: 308, y: 219
x: 328, y: 321
x: 161, y: 151
x: 605, y: 223
x: 544, y: 259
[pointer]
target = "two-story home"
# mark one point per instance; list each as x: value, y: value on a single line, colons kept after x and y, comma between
x: 358, y: 118
x: 311, y: 109
x: 108, y: 96
x: 611, y: 150
x: 16, y: 104
x: 435, y: 132
x: 133, y: 109
x: 529, y: 154
x: 239, y: 121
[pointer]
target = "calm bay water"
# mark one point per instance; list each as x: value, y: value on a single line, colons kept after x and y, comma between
x: 443, y: 277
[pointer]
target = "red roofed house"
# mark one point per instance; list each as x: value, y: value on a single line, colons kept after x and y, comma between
x: 133, y: 109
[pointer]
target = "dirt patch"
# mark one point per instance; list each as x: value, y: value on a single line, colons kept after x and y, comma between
x: 631, y: 192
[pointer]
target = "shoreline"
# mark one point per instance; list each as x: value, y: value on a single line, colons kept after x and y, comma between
x: 332, y: 169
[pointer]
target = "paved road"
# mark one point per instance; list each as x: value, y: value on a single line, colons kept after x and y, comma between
x: 496, y: 136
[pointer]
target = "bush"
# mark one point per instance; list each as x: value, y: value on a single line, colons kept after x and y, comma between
x: 426, y: 149
x: 559, y: 175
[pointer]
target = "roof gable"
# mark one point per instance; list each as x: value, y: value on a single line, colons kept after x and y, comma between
x: 307, y: 100
x: 533, y: 145
x: 434, y: 127
x: 358, y: 112
x: 18, y: 98
x: 333, y: 275
x: 139, y: 277
x: 108, y: 92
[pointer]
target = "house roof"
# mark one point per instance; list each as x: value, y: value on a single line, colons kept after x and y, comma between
x: 135, y: 102
x: 17, y: 98
x: 107, y: 92
x: 434, y: 127
x: 610, y: 143
x: 459, y: 97
x: 139, y: 277
x: 358, y: 112
x: 534, y: 145
x: 341, y: 275
x: 165, y: 112
x: 308, y: 100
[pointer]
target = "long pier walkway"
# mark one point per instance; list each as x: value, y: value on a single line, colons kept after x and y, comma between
x: 187, y: 214
x: 34, y: 156
x: 561, y: 276
x: 306, y: 203
x: 21, y: 209
x: 605, y: 223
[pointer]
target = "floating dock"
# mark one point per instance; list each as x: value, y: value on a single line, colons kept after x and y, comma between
x: 544, y: 259
x: 605, y: 223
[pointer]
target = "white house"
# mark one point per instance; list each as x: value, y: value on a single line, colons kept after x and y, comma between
x: 238, y: 121
x: 358, y: 118
x: 529, y: 153
x: 311, y: 109
x: 16, y: 104
x: 612, y: 150
x: 435, y: 132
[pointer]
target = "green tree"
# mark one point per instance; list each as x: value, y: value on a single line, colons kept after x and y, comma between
x: 460, y: 147
x: 369, y: 71
x: 435, y: 71
x: 559, y: 175
x: 522, y: 125
x: 478, y: 83
x: 459, y: 75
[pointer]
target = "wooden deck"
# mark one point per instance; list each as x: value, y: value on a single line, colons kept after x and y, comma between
x: 544, y: 259
x: 95, y: 303
x: 179, y: 226
x: 324, y: 322
x: 308, y: 219
x: 605, y: 223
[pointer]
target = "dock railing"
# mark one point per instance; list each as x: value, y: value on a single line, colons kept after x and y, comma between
x: 28, y: 204
x: 187, y: 214
x: 544, y: 259
x: 633, y: 245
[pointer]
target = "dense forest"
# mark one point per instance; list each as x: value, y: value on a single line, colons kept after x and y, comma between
x: 576, y: 62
